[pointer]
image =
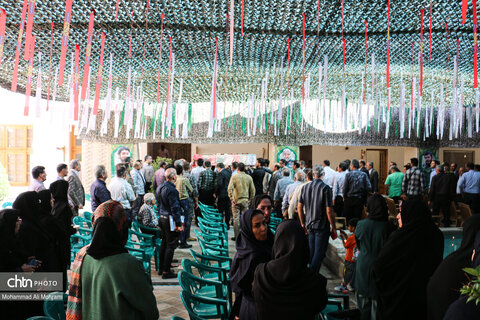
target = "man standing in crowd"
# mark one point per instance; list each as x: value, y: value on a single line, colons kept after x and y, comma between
x: 122, y: 191
x: 234, y: 167
x: 148, y: 172
x: 394, y: 184
x: 207, y: 183
x: 98, y: 190
x: 192, y: 198
x: 302, y: 165
x: 299, y: 179
x: 184, y: 189
x: 363, y: 167
x: 258, y: 175
x: 413, y: 184
x: 62, y: 170
x: 373, y: 177
x: 223, y: 202
x: 76, y: 192
x: 159, y: 176
x: 240, y: 191
x: 293, y: 201
x: 329, y: 173
x: 433, y: 166
x: 469, y: 187
x: 282, y: 185
x: 315, y: 210
x: 296, y: 167
x: 276, y: 177
x: 139, y: 183
x: 39, y: 176
x: 442, y: 192
x: 355, y: 191
x: 338, y: 183
x: 199, y: 169
x: 267, y: 177
x: 169, y: 209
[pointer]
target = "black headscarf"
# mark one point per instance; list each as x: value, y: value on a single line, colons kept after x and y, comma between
x: 377, y: 208
x: 45, y: 205
x: 406, y: 263
x: 8, y: 220
x: 444, y: 285
x: 285, y: 288
x: 110, y: 230
x: 59, y: 190
x: 461, y: 309
x: 28, y: 205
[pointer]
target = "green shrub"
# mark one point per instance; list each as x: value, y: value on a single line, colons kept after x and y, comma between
x: 156, y: 166
x: 4, y: 184
x: 472, y: 289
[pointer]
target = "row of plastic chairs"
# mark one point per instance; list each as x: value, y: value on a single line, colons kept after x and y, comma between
x: 53, y: 307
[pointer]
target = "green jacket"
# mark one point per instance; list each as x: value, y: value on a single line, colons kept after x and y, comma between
x: 184, y: 187
x: 241, y: 188
x: 116, y: 287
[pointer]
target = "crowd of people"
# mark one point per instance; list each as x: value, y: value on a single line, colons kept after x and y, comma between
x: 388, y: 266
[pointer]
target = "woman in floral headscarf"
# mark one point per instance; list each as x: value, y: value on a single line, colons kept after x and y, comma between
x: 106, y: 281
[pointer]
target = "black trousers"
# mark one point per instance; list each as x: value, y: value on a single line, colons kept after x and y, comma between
x: 442, y: 203
x: 473, y: 200
x: 225, y: 207
x: 148, y: 185
x: 338, y: 207
x: 137, y: 204
x: 169, y: 244
x: 206, y: 197
x: 353, y: 208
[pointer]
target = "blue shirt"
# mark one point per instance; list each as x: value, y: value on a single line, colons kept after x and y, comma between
x: 469, y: 182
x: 99, y: 193
x: 169, y: 202
x: 281, y: 187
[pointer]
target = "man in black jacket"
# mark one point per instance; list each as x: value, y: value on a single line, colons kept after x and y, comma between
x: 373, y: 176
x: 258, y: 175
x: 223, y: 202
x: 442, y: 191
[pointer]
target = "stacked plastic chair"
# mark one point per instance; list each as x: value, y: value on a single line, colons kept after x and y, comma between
x: 274, y: 222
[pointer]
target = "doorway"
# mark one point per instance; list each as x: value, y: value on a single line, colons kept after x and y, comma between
x: 379, y: 158
x: 174, y: 150
x: 306, y: 155
x: 461, y: 158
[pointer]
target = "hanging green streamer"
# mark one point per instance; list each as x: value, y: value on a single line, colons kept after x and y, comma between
x: 152, y: 124
x: 123, y: 116
x: 190, y: 116
x: 174, y: 114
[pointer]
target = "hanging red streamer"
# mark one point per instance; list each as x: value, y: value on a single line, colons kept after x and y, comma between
x: 28, y: 89
x: 431, y: 22
x: 131, y: 31
x: 464, y: 11
x: 28, y: 35
x: 242, y: 15
x: 303, y: 59
x: 3, y: 22
x: 19, y: 46
x: 421, y: 52
x: 88, y: 55
x: 116, y: 10
x: 66, y: 31
x: 214, y: 97
x: 365, y: 74
x: 168, y: 80
x: 475, y: 45
x: 388, y: 45
x: 160, y: 59
x: 76, y: 83
x: 50, y: 65
x: 99, y: 77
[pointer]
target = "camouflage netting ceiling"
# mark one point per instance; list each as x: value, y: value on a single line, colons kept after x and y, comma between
x: 268, y: 24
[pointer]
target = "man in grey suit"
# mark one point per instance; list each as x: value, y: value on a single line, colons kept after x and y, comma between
x: 373, y: 177
x: 76, y: 193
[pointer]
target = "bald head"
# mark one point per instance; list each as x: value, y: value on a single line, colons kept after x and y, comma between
x: 171, y: 174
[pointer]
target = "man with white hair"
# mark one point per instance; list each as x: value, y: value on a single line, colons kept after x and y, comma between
x: 76, y: 193
x: 169, y: 221
x: 315, y: 211
x: 299, y: 178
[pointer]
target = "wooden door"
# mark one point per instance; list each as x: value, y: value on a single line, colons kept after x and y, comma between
x: 379, y: 157
x: 461, y: 158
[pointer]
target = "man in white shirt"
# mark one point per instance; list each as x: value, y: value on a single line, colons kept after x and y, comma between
x: 338, y: 182
x: 196, y: 171
x: 329, y: 173
x: 121, y: 190
x: 148, y: 172
x: 39, y: 176
x: 139, y: 183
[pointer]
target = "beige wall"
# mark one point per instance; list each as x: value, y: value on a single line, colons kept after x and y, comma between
x: 260, y: 149
x: 400, y: 155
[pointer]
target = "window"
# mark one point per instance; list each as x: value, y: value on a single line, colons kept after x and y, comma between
x: 15, y: 149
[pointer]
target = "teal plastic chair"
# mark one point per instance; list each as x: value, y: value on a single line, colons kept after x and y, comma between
x: 88, y: 215
x: 82, y: 222
x: 202, y: 287
x: 40, y: 318
x: 336, y: 302
x: 141, y: 254
x: 212, y: 249
x: 6, y: 205
x: 54, y: 305
x: 176, y: 318
x: 88, y: 197
x: 200, y: 308
x: 212, y: 274
x: 212, y: 238
x: 212, y: 260
x: 155, y: 242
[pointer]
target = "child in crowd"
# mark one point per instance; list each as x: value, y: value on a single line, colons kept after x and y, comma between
x: 350, y: 257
